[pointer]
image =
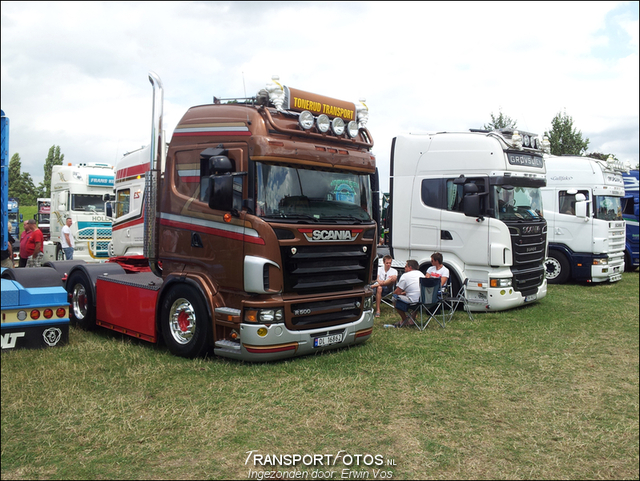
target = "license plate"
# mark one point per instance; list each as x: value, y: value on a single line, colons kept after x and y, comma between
x: 327, y: 340
x: 530, y: 298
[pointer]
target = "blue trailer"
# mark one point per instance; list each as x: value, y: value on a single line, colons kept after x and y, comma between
x: 630, y: 214
x: 35, y: 307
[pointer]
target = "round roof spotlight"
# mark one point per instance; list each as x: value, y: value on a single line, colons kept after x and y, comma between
x: 525, y: 140
x: 322, y: 123
x: 535, y: 143
x: 337, y: 126
x: 352, y: 129
x: 305, y: 120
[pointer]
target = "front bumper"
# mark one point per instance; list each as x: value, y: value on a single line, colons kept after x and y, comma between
x: 282, y: 343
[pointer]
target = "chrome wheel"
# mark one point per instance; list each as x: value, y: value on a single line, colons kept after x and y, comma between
x: 182, y: 321
x: 79, y: 302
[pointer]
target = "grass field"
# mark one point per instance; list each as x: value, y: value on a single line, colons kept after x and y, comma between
x: 549, y: 391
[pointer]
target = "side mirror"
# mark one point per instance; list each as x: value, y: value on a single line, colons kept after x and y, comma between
x: 108, y: 209
x: 221, y: 192
x: 471, y: 205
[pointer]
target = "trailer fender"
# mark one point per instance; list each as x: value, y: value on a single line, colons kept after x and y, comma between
x: 35, y: 277
x: 63, y: 268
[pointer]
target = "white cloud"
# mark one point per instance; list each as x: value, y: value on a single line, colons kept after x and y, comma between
x: 75, y: 74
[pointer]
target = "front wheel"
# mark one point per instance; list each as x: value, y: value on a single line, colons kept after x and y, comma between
x: 557, y: 268
x: 83, y: 310
x: 184, y: 322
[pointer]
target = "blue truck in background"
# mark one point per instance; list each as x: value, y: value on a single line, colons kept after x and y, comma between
x: 35, y: 309
x: 630, y: 215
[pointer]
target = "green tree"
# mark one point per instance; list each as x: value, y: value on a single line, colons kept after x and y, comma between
x: 600, y: 156
x: 500, y: 122
x: 53, y: 158
x: 564, y: 138
x: 20, y: 183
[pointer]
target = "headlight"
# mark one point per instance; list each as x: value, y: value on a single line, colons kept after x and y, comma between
x: 322, y: 123
x: 501, y: 282
x: 337, y: 126
x: 601, y: 262
x: 368, y: 303
x: 266, y: 316
x: 306, y: 120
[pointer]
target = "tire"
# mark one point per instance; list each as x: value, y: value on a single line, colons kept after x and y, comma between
x: 185, y: 323
x: 557, y: 268
x: 60, y: 253
x: 83, y: 309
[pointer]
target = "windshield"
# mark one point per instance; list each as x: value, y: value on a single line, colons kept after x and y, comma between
x: 312, y: 195
x: 608, y: 208
x: 87, y: 203
x: 519, y: 203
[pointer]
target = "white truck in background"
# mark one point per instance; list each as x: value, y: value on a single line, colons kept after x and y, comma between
x: 474, y: 197
x: 128, y: 219
x: 77, y: 191
x: 583, y: 207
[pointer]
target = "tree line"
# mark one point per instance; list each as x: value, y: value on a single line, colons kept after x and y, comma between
x: 21, y: 184
x: 564, y: 138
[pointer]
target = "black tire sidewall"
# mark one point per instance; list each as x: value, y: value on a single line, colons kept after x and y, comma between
x: 89, y: 322
x: 200, y: 343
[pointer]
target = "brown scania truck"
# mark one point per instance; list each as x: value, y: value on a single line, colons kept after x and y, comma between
x: 260, y: 232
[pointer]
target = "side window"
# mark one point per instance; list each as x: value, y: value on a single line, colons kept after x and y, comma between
x: 122, y: 202
x: 567, y: 202
x: 455, y: 193
x: 433, y: 193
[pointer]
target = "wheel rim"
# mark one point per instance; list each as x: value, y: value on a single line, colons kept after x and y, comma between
x: 60, y: 255
x: 552, y: 268
x: 182, y: 321
x: 79, y: 301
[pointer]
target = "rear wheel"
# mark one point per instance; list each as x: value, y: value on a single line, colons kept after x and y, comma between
x: 83, y: 310
x: 557, y: 268
x: 184, y: 322
x: 59, y: 253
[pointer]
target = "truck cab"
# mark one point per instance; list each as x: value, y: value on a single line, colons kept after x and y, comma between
x: 474, y: 197
x: 583, y: 206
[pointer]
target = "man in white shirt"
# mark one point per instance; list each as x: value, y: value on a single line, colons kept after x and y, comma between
x: 67, y: 241
x: 387, y: 277
x: 437, y: 269
x: 407, y: 292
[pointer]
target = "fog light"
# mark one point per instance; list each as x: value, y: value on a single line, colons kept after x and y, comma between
x: 322, y: 123
x: 262, y: 331
x: 306, y: 120
x: 337, y: 126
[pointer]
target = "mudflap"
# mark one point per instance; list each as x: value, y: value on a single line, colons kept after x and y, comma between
x: 34, y: 335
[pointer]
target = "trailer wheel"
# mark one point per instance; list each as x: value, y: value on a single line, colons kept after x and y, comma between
x: 59, y: 253
x: 83, y: 310
x: 185, y: 323
x: 556, y: 268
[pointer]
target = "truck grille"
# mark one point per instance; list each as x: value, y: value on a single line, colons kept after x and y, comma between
x: 528, y: 241
x: 318, y: 269
x: 334, y: 311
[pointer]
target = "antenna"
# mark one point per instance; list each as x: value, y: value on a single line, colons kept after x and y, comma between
x: 243, y: 86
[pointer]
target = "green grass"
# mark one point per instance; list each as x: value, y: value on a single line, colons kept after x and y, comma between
x: 549, y: 391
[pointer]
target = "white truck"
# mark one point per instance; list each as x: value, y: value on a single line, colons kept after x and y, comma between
x: 77, y: 191
x: 128, y: 219
x: 474, y: 197
x: 583, y: 208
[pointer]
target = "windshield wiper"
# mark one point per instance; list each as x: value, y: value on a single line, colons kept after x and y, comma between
x: 338, y: 218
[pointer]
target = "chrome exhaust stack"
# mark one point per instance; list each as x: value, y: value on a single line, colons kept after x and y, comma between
x: 156, y: 162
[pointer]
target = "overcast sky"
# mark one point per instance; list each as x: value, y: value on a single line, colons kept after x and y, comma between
x: 75, y: 74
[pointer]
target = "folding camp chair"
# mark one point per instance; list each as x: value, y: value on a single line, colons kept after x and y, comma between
x: 430, y: 302
x: 451, y: 303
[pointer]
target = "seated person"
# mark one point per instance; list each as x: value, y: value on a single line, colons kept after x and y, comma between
x: 437, y: 269
x: 407, y: 292
x: 387, y: 277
